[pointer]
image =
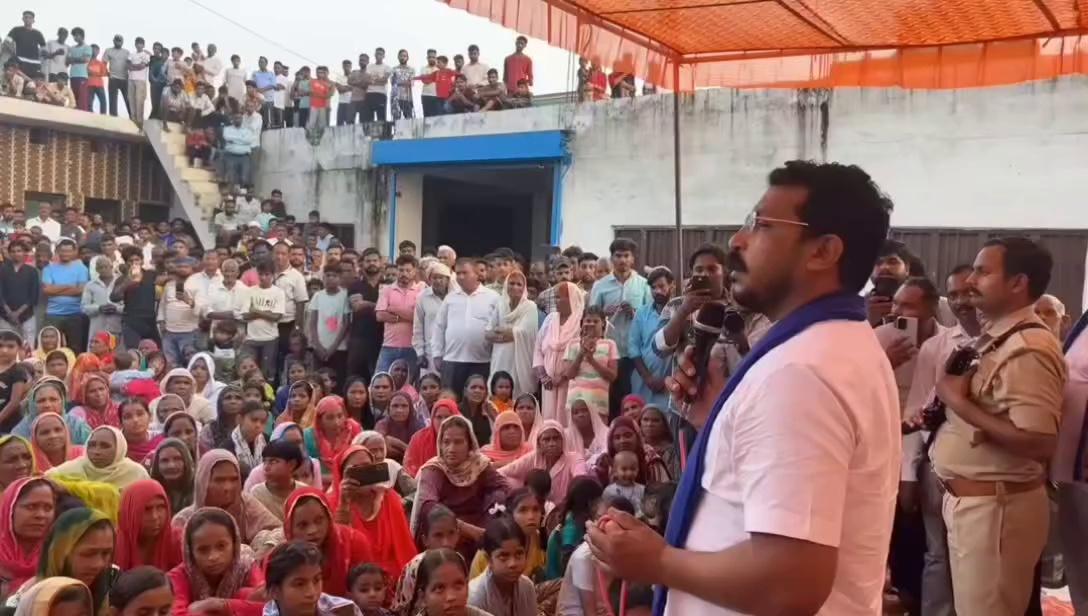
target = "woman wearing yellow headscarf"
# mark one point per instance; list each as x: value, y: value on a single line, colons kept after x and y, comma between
x: 54, y: 595
x: 16, y: 460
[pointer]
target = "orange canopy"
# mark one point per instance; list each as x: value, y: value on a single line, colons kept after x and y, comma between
x: 810, y: 43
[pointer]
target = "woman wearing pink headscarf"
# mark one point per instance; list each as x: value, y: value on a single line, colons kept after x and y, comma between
x: 550, y: 453
x: 559, y: 329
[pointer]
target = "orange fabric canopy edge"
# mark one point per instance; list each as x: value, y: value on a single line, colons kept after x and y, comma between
x: 916, y: 44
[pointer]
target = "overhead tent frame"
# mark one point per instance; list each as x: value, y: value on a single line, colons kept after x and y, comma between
x: 682, y: 45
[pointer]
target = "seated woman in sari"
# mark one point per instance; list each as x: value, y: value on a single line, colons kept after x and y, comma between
x: 624, y: 435
x: 86, y: 363
x: 102, y: 345
x: 331, y: 434
x: 202, y: 367
x: 424, y: 444
x: 550, y: 453
x: 173, y: 467
x: 80, y: 545
x: 508, y: 441
x: 144, y: 533
x: 49, y: 395
x: 164, y: 406
x: 26, y: 515
x: 653, y: 425
x: 51, y: 442
x: 372, y: 509
x: 587, y: 435
x: 401, y: 373
x: 50, y: 339
x: 57, y: 595
x: 182, y: 426
x: 381, y: 390
x: 399, y: 425
x: 309, y: 518
x: 357, y: 402
x: 528, y: 409
x: 16, y: 460
x: 181, y: 382
x: 219, y: 484
x: 202, y: 583
x: 461, y: 478
x: 399, y: 479
x: 430, y: 389
x: 300, y: 407
x: 477, y: 409
x: 136, y: 427
x: 96, y: 407
x: 105, y: 461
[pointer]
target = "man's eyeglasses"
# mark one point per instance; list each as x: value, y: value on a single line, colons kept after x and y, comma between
x: 755, y: 220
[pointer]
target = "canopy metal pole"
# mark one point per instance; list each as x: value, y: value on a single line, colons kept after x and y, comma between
x: 679, y: 272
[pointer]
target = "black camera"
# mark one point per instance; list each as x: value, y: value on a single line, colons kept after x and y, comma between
x: 959, y: 362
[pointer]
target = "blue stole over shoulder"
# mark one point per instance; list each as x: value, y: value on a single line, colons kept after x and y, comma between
x: 837, y: 307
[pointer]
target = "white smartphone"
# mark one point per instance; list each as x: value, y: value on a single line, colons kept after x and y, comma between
x: 909, y: 327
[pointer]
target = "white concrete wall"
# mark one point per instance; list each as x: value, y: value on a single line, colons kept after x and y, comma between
x: 995, y: 157
x: 409, y: 207
x: 334, y: 178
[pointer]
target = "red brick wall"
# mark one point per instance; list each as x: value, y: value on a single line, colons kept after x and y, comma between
x: 79, y: 167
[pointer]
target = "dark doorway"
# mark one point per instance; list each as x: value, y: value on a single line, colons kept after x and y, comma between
x: 476, y: 219
x: 153, y: 212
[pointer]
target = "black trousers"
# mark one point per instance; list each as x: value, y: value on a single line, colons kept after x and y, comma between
x: 345, y: 114
x: 74, y: 328
x: 406, y: 109
x: 156, y: 100
x: 362, y: 359
x: 358, y: 111
x: 133, y: 330
x: 284, y: 344
x: 455, y: 374
x: 375, y: 107
x: 432, y: 106
x: 118, y: 85
x: 620, y: 387
x: 906, y: 558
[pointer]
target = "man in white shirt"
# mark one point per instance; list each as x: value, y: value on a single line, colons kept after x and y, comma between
x: 459, y: 344
x: 427, y: 306
x: 475, y: 71
x: 918, y: 486
x: 787, y: 501
x: 213, y: 65
x: 178, y: 318
x: 56, y: 55
x: 249, y: 206
x: 50, y: 226
x: 377, y: 81
x: 293, y: 284
x: 279, y: 96
x: 225, y: 297
x: 138, y: 62
x: 344, y: 113
x: 199, y: 283
x: 432, y: 105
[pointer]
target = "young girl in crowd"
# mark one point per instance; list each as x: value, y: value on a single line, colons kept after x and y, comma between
x: 135, y: 425
x: 357, y: 402
x: 248, y: 437
x: 580, y: 593
x: 228, y: 410
x: 591, y: 363
x: 308, y: 518
x: 502, y: 391
x: 213, y: 567
x: 441, y: 587
x: 503, y: 587
x: 577, y: 509
x: 309, y: 472
x: 182, y: 426
x: 295, y: 372
x: 477, y: 409
x: 293, y: 583
x: 438, y: 530
x: 202, y: 367
x: 369, y: 589
x: 332, y: 433
x: 300, y: 406
x: 430, y: 388
x: 399, y: 425
x: 141, y: 591
x: 525, y: 509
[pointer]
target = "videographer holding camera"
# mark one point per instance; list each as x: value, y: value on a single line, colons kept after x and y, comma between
x: 1002, y: 423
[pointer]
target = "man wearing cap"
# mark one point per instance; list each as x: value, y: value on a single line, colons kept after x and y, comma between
x: 62, y: 285
x: 178, y: 316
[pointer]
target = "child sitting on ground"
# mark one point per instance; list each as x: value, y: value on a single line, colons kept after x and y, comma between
x: 368, y: 588
x: 124, y: 374
x: 503, y: 587
x: 624, y: 474
x: 248, y: 437
x: 223, y: 350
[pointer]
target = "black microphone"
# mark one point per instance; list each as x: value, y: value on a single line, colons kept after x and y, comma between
x: 707, y: 329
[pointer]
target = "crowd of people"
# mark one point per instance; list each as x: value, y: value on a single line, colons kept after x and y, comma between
x: 280, y: 424
x: 198, y: 85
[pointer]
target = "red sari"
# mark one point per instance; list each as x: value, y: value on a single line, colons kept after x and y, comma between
x: 390, y: 539
x: 344, y: 546
x: 424, y: 444
x: 134, y: 500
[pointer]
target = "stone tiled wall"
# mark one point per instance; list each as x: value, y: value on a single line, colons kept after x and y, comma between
x: 79, y: 167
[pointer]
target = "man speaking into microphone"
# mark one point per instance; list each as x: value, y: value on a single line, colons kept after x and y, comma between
x: 786, y: 504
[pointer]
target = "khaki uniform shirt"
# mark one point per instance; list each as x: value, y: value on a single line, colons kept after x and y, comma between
x: 1022, y: 381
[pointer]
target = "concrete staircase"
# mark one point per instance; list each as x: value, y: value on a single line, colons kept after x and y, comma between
x: 196, y: 188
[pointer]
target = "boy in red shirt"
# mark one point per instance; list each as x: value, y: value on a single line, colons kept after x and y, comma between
x: 443, y: 80
x: 321, y: 90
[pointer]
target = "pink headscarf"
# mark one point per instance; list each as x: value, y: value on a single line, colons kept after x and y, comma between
x: 562, y: 334
x: 569, y: 465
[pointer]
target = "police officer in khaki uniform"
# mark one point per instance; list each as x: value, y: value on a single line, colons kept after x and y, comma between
x: 1001, y: 430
